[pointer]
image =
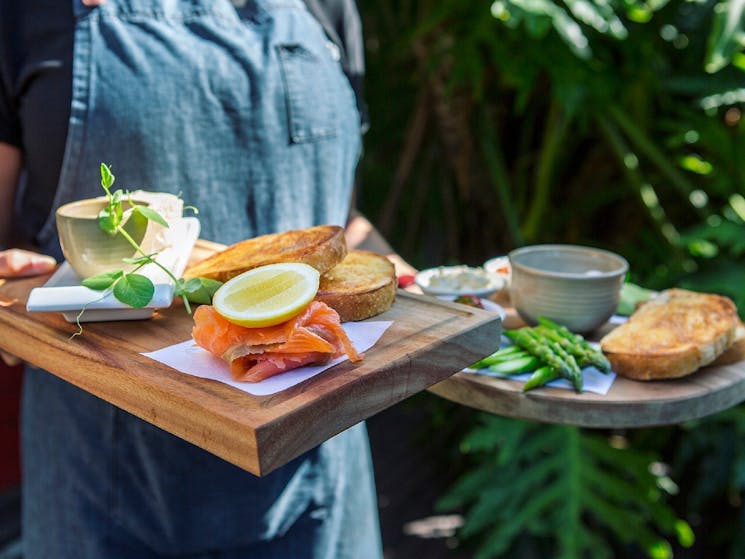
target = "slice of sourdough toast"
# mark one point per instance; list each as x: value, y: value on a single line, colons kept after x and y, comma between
x: 361, y: 286
x: 322, y: 247
x: 736, y: 351
x: 672, y: 335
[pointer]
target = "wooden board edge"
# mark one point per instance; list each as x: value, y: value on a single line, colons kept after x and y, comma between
x: 589, y: 414
x: 421, y: 373
x: 239, y: 449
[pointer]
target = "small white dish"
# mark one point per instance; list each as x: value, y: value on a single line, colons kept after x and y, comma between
x: 63, y: 292
x: 458, y: 280
x: 488, y: 305
x: 499, y: 265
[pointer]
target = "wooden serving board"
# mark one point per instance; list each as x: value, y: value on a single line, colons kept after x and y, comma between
x: 428, y: 341
x: 628, y: 404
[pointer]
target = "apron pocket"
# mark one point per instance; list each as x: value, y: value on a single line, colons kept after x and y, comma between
x: 310, y: 112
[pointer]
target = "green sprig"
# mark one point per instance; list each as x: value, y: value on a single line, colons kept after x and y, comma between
x: 131, y: 288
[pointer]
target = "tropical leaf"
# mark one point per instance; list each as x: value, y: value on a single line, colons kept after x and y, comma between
x: 724, y: 233
x: 727, y: 35
x: 559, y: 485
x: 541, y: 15
x: 598, y: 15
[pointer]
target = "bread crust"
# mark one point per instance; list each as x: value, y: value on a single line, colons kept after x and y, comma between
x: 322, y: 247
x: 672, y: 335
x: 361, y: 286
x: 736, y: 352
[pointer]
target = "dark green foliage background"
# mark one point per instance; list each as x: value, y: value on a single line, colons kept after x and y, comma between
x: 615, y: 124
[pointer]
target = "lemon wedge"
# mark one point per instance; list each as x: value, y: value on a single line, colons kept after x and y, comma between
x: 267, y: 295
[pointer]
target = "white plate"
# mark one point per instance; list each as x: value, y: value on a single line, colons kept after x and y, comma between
x: 63, y: 292
x: 428, y: 281
x: 488, y: 304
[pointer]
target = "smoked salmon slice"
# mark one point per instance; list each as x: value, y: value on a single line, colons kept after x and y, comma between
x: 312, y: 337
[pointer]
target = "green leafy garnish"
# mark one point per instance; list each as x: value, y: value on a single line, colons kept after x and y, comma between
x: 198, y: 290
x: 102, y: 281
x: 131, y: 288
x: 135, y: 290
x: 151, y: 214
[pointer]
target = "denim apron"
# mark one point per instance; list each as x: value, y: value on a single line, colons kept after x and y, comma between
x: 247, y: 114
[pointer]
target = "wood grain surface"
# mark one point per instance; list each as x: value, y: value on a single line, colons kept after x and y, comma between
x: 628, y: 404
x: 428, y: 341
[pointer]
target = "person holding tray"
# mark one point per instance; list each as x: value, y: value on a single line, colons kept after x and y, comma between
x: 244, y: 110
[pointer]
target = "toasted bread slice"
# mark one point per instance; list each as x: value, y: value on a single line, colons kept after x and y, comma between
x: 672, y: 335
x: 322, y: 247
x: 363, y: 285
x: 736, y: 351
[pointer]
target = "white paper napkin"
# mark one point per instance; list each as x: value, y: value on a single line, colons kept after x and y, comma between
x: 594, y: 380
x: 191, y: 359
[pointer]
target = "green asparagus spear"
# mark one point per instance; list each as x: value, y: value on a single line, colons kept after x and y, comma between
x: 577, y: 379
x: 593, y: 356
x: 575, y: 376
x: 516, y: 366
x: 505, y: 353
x: 572, y: 348
x: 584, y: 355
x: 541, y: 376
x: 524, y: 339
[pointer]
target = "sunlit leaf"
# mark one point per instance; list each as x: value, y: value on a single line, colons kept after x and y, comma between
x: 107, y: 177
x: 686, y: 537
x: 542, y: 14
x: 151, y: 214
x: 727, y: 36
x: 599, y: 16
x: 107, y: 221
x: 660, y: 550
x: 137, y: 260
x: 100, y: 282
x: 738, y: 60
x: 134, y: 290
x: 696, y: 165
x: 725, y: 234
x: 198, y: 290
x: 639, y: 14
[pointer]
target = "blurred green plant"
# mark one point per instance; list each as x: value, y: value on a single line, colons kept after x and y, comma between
x: 612, y: 123
x: 570, y: 489
x: 711, y: 453
x: 532, y: 120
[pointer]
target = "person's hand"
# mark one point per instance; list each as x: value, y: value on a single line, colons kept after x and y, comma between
x: 9, y: 360
x: 93, y: 3
x: 17, y: 263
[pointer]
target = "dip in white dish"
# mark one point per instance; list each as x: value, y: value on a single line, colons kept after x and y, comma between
x: 458, y: 280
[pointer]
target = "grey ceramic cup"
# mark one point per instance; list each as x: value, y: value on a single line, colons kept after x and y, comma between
x: 573, y: 285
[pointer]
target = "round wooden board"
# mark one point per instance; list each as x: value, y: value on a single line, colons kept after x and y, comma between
x: 627, y: 404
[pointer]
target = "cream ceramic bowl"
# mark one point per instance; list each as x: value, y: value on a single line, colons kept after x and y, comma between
x: 87, y: 248
x: 574, y: 285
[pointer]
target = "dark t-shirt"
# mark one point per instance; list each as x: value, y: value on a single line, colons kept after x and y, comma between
x: 36, y: 39
x: 36, y: 47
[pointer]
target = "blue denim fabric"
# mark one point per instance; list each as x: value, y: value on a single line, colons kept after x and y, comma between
x: 251, y: 119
